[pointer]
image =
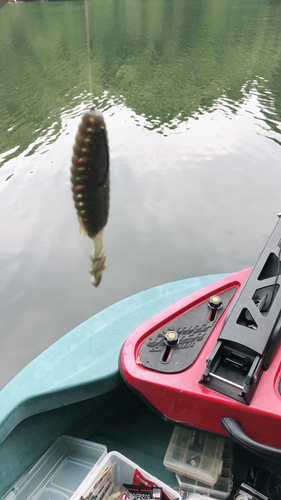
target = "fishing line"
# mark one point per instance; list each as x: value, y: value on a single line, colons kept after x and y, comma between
x: 88, y: 45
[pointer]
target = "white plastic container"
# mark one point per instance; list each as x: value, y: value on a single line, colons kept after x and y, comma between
x: 124, y: 470
x: 196, y: 454
x: 60, y: 471
x: 222, y: 488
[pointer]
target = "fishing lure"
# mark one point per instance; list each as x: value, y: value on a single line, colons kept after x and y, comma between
x: 90, y: 184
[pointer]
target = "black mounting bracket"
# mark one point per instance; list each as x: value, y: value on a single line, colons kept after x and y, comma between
x: 251, y: 333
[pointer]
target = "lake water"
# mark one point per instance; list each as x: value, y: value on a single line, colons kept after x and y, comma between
x: 191, y: 95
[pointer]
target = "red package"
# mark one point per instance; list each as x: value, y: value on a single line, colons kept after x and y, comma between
x: 140, y: 480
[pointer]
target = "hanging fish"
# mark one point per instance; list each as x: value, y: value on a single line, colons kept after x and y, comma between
x: 90, y: 184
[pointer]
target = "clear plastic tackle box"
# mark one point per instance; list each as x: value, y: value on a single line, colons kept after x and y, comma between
x: 195, y: 454
x: 222, y: 488
x: 59, y: 472
x: 124, y: 472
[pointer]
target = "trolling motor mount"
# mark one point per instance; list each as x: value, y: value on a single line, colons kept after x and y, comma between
x: 251, y: 333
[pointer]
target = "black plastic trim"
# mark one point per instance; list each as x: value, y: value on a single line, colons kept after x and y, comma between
x: 234, y: 429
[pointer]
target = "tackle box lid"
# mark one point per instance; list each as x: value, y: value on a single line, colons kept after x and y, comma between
x: 195, y: 454
x: 59, y: 472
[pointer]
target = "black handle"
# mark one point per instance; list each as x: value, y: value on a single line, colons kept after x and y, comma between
x: 234, y: 429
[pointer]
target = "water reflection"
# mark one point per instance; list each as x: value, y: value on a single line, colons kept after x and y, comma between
x: 167, y: 59
x: 191, y: 96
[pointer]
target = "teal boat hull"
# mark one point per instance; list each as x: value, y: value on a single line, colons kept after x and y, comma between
x: 73, y: 376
